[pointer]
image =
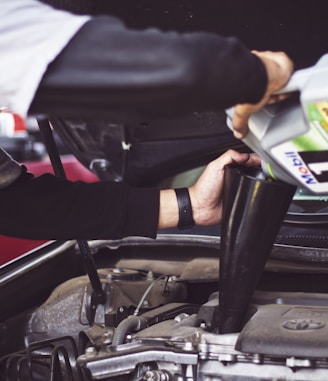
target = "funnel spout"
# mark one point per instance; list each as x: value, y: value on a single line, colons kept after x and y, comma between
x: 253, y: 210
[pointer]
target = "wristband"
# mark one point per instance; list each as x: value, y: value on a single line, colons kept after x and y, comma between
x: 186, y: 220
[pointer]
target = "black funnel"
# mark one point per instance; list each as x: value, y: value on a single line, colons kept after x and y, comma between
x: 253, y: 210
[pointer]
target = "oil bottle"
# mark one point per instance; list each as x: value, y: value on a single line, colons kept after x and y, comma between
x: 291, y: 136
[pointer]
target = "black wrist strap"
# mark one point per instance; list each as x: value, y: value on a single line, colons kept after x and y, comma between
x: 186, y: 220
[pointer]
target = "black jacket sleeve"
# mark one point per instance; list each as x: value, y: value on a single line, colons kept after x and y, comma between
x: 109, y: 68
x: 48, y: 207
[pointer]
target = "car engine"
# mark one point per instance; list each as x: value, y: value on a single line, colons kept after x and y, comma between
x: 159, y: 319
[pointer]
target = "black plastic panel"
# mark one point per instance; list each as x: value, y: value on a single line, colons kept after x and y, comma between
x: 286, y: 331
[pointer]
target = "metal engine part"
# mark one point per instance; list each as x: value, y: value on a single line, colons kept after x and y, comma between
x: 156, y: 327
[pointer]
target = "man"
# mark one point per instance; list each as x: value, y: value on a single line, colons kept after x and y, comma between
x: 69, y: 65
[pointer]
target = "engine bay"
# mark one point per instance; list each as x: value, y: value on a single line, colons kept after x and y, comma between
x: 159, y: 320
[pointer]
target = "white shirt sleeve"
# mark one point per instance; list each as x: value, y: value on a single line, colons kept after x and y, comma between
x: 32, y: 34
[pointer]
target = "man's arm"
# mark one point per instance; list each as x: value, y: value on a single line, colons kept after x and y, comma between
x: 73, y: 66
x: 107, y: 68
x: 48, y: 207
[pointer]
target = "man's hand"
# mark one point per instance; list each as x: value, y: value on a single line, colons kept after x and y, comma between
x: 279, y: 68
x: 206, y: 194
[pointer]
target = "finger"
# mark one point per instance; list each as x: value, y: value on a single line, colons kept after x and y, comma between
x: 231, y: 157
x: 253, y: 161
x: 235, y: 157
x: 240, y: 121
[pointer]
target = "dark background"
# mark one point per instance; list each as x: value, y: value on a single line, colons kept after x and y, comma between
x: 298, y: 27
